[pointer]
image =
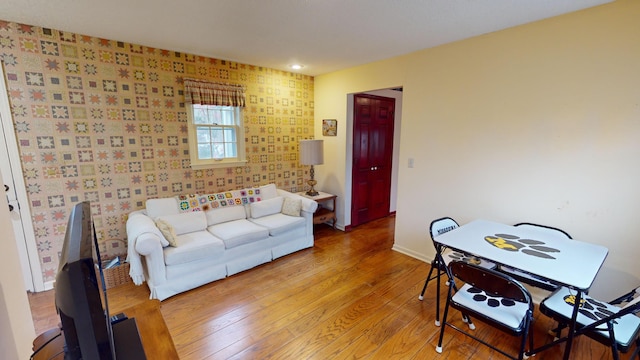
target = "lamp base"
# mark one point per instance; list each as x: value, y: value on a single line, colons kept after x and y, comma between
x: 312, y: 183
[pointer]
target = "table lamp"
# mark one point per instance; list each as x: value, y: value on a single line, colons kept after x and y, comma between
x: 311, y: 153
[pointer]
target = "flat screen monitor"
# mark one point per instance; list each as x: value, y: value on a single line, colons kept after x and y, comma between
x: 80, y: 292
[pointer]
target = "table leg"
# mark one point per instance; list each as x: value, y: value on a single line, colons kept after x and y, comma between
x: 572, y: 325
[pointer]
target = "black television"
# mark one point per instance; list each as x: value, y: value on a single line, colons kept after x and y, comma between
x: 80, y: 292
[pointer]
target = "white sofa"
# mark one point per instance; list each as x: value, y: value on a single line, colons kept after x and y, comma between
x: 208, y: 237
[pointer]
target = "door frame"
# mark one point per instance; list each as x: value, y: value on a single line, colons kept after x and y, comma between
x: 29, y: 258
x: 373, y: 128
x: 348, y: 194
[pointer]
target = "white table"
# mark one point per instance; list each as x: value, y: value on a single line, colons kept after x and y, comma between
x: 566, y: 262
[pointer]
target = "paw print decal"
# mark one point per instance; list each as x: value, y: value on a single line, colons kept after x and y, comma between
x: 481, y: 296
x: 527, y: 246
x: 593, y: 309
x: 454, y: 255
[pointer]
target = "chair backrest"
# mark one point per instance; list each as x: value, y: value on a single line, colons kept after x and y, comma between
x: 548, y: 230
x: 441, y: 226
x: 632, y: 303
x: 491, y: 282
x: 626, y: 299
x: 629, y: 308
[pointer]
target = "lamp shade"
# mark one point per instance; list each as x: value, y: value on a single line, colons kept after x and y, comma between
x: 311, y: 152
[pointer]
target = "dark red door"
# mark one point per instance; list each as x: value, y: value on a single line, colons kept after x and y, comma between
x: 372, y: 157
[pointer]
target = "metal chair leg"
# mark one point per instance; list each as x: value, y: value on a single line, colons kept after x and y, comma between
x: 467, y: 320
x: 444, y: 318
x: 437, y: 321
x: 614, y: 344
x: 557, y: 331
x: 424, y: 288
x: 437, y: 265
x: 636, y: 352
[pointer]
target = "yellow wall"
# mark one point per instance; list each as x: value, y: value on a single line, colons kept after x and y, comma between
x: 536, y: 123
x: 331, y: 103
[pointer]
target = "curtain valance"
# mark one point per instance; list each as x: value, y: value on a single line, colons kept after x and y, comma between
x: 209, y: 93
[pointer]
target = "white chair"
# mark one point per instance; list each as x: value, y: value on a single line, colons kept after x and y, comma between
x: 611, y: 323
x: 533, y: 280
x: 443, y: 257
x: 493, y: 298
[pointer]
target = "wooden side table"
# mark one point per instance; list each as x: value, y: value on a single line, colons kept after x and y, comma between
x: 323, y: 213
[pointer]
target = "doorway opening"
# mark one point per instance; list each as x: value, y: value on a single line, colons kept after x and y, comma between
x: 373, y: 147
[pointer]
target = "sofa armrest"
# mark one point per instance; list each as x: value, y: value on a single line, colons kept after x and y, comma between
x: 308, y: 205
x: 145, y: 240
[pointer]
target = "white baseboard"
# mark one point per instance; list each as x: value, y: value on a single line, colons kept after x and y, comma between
x: 49, y: 285
x: 411, y: 253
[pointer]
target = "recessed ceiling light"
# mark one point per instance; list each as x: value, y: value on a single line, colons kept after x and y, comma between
x: 296, y: 66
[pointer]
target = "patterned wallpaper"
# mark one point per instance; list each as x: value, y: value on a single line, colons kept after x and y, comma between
x: 105, y: 121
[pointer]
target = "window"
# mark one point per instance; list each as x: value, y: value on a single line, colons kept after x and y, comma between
x: 216, y: 136
x: 216, y: 129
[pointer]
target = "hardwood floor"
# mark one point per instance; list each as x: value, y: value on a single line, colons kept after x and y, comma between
x: 350, y: 296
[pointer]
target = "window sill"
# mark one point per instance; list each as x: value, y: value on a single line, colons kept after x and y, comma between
x: 219, y: 164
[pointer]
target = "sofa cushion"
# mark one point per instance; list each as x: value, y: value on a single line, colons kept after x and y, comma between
x: 279, y: 223
x: 168, y: 231
x: 186, y: 222
x: 224, y: 214
x: 238, y: 232
x: 268, y: 191
x: 160, y: 207
x: 193, y: 246
x: 291, y: 206
x: 266, y: 207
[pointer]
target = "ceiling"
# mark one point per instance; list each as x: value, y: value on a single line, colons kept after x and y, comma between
x: 323, y: 35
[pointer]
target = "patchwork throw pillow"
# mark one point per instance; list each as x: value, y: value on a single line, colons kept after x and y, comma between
x: 188, y: 203
x: 168, y: 231
x: 291, y: 206
x: 229, y: 198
